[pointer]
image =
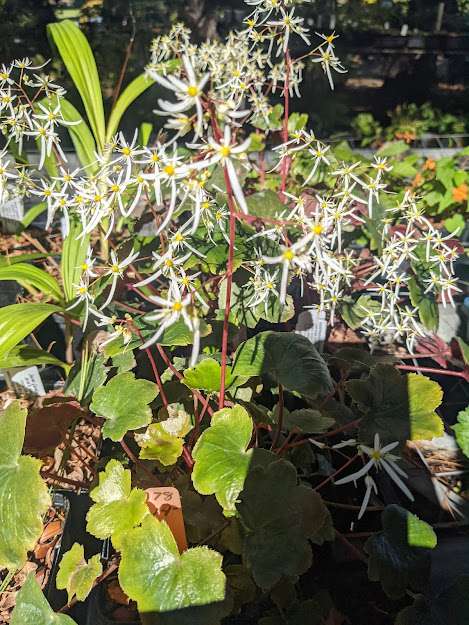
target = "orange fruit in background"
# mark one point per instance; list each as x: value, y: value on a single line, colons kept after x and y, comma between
x: 461, y: 193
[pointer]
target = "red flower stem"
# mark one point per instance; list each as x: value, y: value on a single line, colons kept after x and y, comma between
x: 455, y: 374
x: 331, y: 477
x: 164, y: 399
x: 138, y: 463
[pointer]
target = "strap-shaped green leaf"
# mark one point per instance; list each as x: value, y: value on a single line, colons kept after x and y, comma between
x: 129, y: 95
x: 73, y: 256
x: 30, y: 275
x: 81, y: 136
x: 78, y: 58
x: 25, y: 356
x: 32, y: 213
x: 32, y: 607
x: 18, y: 320
x: 23, y: 495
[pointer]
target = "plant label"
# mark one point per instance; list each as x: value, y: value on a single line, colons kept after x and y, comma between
x: 165, y: 504
x: 11, y: 212
x: 25, y: 381
x: 313, y: 325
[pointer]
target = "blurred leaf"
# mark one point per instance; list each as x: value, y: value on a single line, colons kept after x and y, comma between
x: 308, y: 421
x: 17, y: 321
x: 130, y: 93
x: 74, y: 251
x: 25, y: 356
x: 462, y: 431
x: 81, y: 136
x: 76, y: 575
x: 31, y: 607
x: 30, y: 275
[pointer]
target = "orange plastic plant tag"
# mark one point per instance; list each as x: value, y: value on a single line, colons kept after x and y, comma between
x: 165, y: 504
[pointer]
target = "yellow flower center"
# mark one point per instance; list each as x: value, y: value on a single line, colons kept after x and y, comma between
x: 115, y: 268
x: 288, y: 255
x: 177, y: 306
x: 115, y: 188
x: 126, y: 151
x: 178, y: 237
x: 169, y: 263
x: 317, y: 229
x: 193, y: 91
x: 376, y: 455
x: 84, y: 267
x: 170, y: 170
x: 225, y: 151
x: 98, y: 198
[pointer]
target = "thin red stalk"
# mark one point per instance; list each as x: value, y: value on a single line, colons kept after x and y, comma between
x: 344, y: 428
x: 455, y: 374
x: 339, y: 470
x: 179, y: 376
x: 129, y: 453
x: 155, y: 370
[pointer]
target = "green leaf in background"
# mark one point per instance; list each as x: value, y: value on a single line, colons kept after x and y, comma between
x: 144, y: 133
x: 21, y: 258
x: 426, y: 304
x: 393, y: 148
x: 33, y: 213
x: 78, y: 58
x: 221, y: 457
x: 464, y: 347
x: 462, y: 431
x: 23, y: 495
x: 279, y: 519
x: 30, y: 275
x: 81, y: 136
x: 86, y: 376
x: 118, y: 507
x: 25, y: 356
x: 32, y: 608
x: 455, y: 223
x: 123, y: 402
x: 74, y: 251
x: 124, y: 362
x: 400, y: 554
x: 19, y: 320
x: 265, y: 204
x: 353, y: 313
x: 159, y: 579
x: 206, y: 375
x: 397, y: 407
x: 307, y: 420
x: 289, y: 358
x: 76, y: 575
x: 130, y: 93
x: 163, y: 441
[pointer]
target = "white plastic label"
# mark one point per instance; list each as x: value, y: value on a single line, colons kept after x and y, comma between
x: 313, y: 325
x: 13, y: 209
x: 25, y: 381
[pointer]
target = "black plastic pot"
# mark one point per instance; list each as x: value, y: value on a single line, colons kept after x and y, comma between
x: 96, y: 615
x: 74, y: 532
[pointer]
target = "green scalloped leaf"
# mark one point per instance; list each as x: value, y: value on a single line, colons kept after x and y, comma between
x: 397, y: 407
x: 307, y: 420
x: 206, y: 375
x: 118, y: 507
x: 462, y: 431
x: 123, y: 402
x: 32, y: 608
x: 159, y: 579
x: 289, y: 358
x: 76, y: 575
x: 24, y: 497
x: 279, y: 518
x: 222, y: 458
x: 400, y: 554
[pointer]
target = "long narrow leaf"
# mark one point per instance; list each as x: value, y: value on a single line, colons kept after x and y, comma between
x: 19, y: 320
x: 30, y: 275
x: 129, y: 95
x: 32, y: 213
x: 78, y: 58
x: 25, y: 356
x: 73, y: 256
x: 81, y: 136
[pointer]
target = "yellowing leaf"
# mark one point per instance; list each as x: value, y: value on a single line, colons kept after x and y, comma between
x: 118, y: 507
x: 23, y: 495
x: 76, y: 575
x: 221, y: 457
x: 163, y: 441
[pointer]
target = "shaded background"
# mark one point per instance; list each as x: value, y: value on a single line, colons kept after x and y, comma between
x: 396, y: 51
